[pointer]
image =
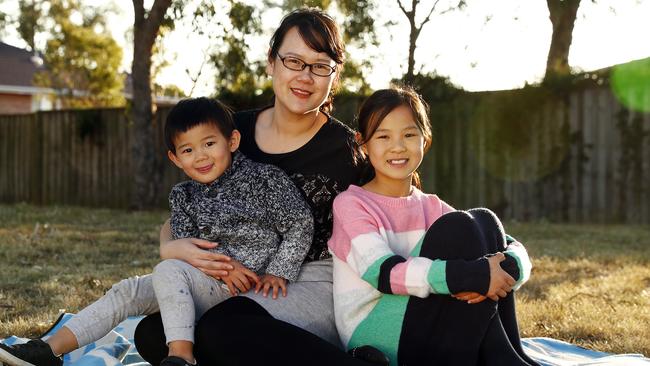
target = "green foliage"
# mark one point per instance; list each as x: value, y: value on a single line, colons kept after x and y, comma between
x: 359, y: 24
x: 235, y: 71
x: 290, y: 5
x: 81, y: 60
x: 433, y: 88
x: 29, y: 21
x: 168, y: 91
x: 631, y: 84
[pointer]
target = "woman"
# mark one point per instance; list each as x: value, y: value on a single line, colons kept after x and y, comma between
x: 320, y: 154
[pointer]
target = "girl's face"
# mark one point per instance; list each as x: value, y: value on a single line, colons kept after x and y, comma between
x: 396, y: 148
x: 300, y: 92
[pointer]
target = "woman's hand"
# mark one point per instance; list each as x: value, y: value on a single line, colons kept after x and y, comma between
x: 193, y: 251
x: 269, y: 281
x: 500, y: 281
x: 469, y: 297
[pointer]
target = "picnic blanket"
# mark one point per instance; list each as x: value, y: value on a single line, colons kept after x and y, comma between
x: 116, y: 349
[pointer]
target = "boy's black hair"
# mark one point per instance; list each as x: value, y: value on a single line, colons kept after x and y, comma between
x: 193, y: 112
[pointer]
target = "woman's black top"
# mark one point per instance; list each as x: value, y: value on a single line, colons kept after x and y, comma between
x: 322, y: 168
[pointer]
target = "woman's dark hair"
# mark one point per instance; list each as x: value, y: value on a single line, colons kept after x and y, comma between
x: 382, y: 102
x: 193, y: 112
x: 320, y: 33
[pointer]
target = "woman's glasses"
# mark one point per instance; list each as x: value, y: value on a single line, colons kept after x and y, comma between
x: 296, y: 64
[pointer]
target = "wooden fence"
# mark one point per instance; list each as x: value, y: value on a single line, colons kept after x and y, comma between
x: 73, y: 158
x: 527, y: 154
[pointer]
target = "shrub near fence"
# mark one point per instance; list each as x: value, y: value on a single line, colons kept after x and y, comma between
x: 527, y: 154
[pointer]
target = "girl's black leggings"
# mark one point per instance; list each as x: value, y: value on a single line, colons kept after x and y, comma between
x: 437, y: 330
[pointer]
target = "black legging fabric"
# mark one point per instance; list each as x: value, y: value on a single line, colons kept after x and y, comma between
x: 437, y: 330
x: 240, y: 332
x: 440, y: 330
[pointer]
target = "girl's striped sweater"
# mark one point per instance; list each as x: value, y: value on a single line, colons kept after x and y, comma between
x: 375, y: 245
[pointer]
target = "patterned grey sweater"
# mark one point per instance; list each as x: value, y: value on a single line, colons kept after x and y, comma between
x: 255, y: 213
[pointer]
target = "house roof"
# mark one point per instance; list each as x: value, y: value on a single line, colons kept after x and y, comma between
x: 18, y: 66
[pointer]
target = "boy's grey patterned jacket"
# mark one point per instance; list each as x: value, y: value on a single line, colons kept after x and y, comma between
x: 255, y: 213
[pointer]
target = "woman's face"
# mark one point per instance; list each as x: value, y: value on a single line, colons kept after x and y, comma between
x: 300, y: 92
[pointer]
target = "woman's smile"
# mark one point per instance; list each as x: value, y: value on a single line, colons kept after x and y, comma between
x: 301, y: 93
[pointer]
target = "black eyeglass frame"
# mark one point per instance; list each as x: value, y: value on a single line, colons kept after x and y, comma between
x: 304, y: 65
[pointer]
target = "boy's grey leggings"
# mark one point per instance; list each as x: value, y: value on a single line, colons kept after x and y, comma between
x: 178, y: 290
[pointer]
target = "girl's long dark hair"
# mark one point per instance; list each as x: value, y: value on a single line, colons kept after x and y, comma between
x: 381, y: 103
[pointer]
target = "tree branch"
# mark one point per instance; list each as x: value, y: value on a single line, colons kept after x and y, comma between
x: 429, y: 16
x: 156, y: 16
x: 399, y: 2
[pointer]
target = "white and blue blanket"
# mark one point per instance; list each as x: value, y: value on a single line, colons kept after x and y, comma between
x: 116, y: 349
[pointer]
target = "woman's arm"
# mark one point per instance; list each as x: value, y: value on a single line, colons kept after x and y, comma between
x: 193, y: 251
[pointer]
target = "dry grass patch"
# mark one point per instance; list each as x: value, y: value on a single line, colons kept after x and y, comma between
x: 57, y: 258
x: 590, y: 283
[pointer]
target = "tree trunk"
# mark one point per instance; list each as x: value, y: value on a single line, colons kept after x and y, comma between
x: 413, y: 37
x: 143, y: 149
x: 563, y: 16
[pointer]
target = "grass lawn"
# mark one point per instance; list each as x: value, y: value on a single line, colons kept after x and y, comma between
x: 590, y: 284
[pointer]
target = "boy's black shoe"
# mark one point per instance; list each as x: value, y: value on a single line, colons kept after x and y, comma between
x: 175, y: 361
x: 369, y: 354
x: 33, y: 353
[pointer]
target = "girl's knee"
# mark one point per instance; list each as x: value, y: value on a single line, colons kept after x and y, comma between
x: 455, y: 235
x: 455, y: 218
x: 491, y: 227
x: 486, y: 218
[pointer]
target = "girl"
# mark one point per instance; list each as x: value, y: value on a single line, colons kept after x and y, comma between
x: 399, y: 254
x: 320, y: 154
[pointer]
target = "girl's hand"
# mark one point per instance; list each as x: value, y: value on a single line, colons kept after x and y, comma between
x: 267, y: 281
x: 470, y: 297
x: 500, y: 281
x: 193, y: 251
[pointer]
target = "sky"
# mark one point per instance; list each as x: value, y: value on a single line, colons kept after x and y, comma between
x: 505, y: 52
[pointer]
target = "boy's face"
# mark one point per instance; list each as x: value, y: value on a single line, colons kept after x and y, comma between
x: 203, y: 152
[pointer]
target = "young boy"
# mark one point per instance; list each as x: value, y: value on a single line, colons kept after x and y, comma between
x: 252, y: 210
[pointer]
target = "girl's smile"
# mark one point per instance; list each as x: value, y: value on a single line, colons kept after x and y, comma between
x: 398, y: 163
